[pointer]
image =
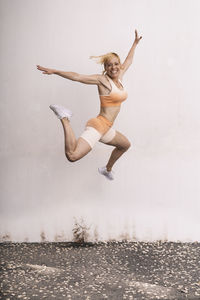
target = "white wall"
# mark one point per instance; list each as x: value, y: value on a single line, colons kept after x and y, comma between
x: 156, y: 191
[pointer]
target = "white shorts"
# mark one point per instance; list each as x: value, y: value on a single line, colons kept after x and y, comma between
x: 91, y: 135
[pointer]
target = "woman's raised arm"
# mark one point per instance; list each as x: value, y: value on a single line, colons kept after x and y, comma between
x: 87, y: 79
x: 129, y: 59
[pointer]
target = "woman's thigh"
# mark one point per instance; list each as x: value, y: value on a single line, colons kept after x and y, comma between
x: 119, y: 141
x: 82, y: 148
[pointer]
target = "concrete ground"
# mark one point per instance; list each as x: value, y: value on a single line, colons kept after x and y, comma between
x: 116, y: 270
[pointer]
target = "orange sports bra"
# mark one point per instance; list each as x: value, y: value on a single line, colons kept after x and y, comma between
x: 116, y: 96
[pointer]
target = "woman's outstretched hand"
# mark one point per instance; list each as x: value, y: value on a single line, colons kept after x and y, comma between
x: 45, y: 70
x: 137, y: 39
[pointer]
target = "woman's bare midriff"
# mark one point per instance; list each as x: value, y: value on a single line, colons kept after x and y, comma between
x: 110, y: 113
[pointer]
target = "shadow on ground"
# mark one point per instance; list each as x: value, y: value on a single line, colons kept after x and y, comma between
x: 114, y: 271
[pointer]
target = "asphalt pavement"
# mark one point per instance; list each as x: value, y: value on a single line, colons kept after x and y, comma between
x: 113, y: 271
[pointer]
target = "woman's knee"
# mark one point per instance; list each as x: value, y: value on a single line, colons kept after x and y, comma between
x: 71, y: 156
x: 128, y: 145
x: 125, y: 146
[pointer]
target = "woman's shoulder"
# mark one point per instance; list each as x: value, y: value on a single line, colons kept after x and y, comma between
x: 103, y: 79
x: 121, y: 74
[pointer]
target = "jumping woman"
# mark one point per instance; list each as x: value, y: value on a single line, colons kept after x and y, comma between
x: 111, y: 94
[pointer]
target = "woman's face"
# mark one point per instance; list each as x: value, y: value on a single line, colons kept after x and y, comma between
x: 112, y: 67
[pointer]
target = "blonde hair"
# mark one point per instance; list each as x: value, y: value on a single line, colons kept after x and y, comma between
x: 103, y: 59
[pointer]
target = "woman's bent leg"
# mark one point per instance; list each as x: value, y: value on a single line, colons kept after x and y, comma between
x: 74, y: 149
x: 121, y: 144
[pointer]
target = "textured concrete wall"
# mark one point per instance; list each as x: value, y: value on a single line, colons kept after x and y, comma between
x: 156, y: 191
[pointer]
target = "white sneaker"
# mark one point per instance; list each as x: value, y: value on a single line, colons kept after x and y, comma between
x: 61, y: 112
x: 108, y: 175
